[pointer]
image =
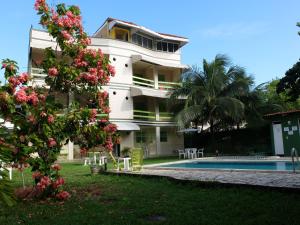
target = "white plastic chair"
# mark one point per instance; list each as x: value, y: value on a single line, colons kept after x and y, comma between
x: 181, y: 153
x: 8, y: 168
x: 200, y: 151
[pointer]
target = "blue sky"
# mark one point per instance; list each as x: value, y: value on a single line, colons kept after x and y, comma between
x: 258, y: 35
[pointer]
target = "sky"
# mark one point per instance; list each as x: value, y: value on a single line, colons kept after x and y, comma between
x: 259, y: 35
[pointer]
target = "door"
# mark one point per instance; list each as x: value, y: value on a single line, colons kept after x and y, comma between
x: 278, y: 141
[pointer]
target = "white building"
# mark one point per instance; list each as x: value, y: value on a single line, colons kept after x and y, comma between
x: 148, y: 65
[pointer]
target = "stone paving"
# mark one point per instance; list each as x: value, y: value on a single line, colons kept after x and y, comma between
x: 271, y: 179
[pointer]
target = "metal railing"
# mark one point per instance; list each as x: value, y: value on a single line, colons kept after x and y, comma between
x: 165, y: 85
x: 38, y: 73
x: 151, y: 116
x: 139, y: 81
x: 294, y: 154
x: 162, y: 85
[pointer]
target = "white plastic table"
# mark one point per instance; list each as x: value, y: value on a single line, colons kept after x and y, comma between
x: 126, y: 162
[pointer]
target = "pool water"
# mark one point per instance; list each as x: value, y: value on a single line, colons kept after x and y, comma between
x: 277, y: 165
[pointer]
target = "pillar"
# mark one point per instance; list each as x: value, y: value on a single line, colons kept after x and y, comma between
x: 157, y: 134
x: 155, y: 77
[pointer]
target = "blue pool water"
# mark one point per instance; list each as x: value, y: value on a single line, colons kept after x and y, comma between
x: 279, y: 165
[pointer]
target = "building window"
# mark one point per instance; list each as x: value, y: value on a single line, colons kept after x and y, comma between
x: 166, y: 46
x: 142, y: 41
x: 140, y: 137
x: 163, y: 136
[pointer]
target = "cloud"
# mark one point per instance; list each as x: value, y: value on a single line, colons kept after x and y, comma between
x: 235, y: 30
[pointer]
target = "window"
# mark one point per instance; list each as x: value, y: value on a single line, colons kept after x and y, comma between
x: 166, y: 46
x: 140, y: 137
x: 158, y: 46
x: 142, y: 41
x: 163, y: 136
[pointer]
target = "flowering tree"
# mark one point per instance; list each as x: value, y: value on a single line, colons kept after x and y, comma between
x: 41, y: 125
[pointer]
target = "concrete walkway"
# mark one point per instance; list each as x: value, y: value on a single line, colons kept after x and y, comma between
x: 274, y: 179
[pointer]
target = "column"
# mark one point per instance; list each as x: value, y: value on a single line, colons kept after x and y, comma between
x: 70, y: 150
x: 155, y: 77
x: 157, y: 132
x: 70, y: 144
x: 156, y: 109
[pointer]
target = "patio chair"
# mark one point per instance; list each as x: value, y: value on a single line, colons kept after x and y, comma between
x: 137, y: 156
x: 5, y: 167
x: 200, y: 151
x: 181, y: 153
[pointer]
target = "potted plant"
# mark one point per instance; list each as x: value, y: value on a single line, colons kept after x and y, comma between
x: 126, y: 151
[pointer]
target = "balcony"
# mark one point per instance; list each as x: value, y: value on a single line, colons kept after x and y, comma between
x: 162, y: 85
x: 152, y: 116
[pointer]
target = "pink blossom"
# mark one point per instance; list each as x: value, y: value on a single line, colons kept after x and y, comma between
x: 44, y: 183
x: 33, y: 98
x: 110, y: 128
x: 63, y: 195
x: 3, y: 66
x: 31, y: 119
x: 50, y: 119
x: 66, y: 35
x: 93, y: 114
x: 21, y: 96
x: 38, y: 4
x: 36, y: 175
x: 52, y: 72
x: 51, y: 142
x: 56, y: 167
x: 13, y: 81
x: 111, y: 70
x: 23, y: 78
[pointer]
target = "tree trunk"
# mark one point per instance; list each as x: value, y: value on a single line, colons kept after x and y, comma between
x: 212, y: 136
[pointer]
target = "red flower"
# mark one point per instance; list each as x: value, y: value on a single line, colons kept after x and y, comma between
x: 50, y: 119
x: 56, y: 167
x: 23, y: 78
x: 52, y: 72
x: 63, y: 195
x: 51, y: 142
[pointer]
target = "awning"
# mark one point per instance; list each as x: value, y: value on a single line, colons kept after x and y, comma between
x: 136, y: 58
x: 139, y: 91
x: 126, y: 126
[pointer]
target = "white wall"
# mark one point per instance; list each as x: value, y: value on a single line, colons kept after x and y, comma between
x: 119, y: 106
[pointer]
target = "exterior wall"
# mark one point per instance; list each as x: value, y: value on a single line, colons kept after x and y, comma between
x: 290, y: 132
x: 119, y: 106
x: 123, y: 68
x: 175, y: 141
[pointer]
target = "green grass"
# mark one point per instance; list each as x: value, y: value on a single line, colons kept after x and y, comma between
x: 113, y: 199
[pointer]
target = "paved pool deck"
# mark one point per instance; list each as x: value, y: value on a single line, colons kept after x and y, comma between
x: 279, y: 179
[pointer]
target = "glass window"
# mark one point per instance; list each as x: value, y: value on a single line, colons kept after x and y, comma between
x: 175, y: 47
x: 139, y: 40
x: 145, y: 42
x: 164, y: 46
x: 140, y: 137
x: 150, y: 44
x: 163, y: 136
x: 159, y: 46
x: 134, y: 38
x: 170, y: 47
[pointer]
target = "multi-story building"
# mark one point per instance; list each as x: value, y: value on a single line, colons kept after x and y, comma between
x: 148, y: 65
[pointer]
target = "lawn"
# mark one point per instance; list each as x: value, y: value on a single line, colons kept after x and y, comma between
x: 113, y: 199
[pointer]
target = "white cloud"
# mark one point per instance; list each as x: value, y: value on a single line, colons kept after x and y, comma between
x: 235, y: 30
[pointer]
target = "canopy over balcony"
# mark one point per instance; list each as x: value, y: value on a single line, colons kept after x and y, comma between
x: 137, y: 58
x: 126, y: 126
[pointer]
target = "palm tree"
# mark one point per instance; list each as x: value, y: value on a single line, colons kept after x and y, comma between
x: 211, y: 94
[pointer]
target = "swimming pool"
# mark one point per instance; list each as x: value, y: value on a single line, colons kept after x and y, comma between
x: 234, y: 165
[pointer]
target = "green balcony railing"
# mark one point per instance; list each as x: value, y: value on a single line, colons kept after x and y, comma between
x: 166, y: 116
x: 150, y: 116
x: 139, y: 81
x: 165, y: 85
x: 38, y: 73
x: 162, y: 85
x: 143, y: 115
